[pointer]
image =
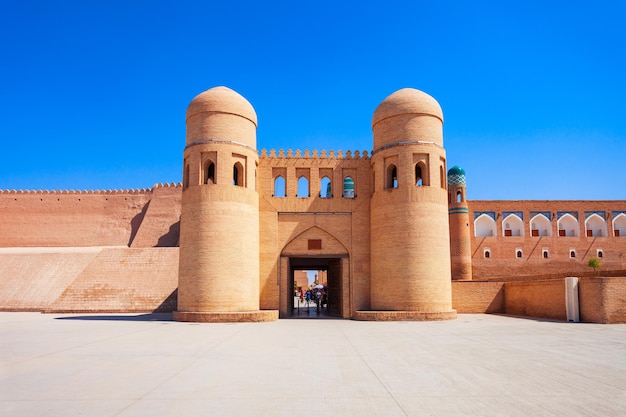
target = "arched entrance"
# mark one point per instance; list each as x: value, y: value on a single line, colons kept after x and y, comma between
x: 332, y: 268
x: 315, y: 249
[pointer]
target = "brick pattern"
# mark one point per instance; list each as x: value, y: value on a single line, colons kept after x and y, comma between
x: 544, y: 299
x: 478, y: 297
x: 122, y: 280
x: 503, y: 263
x: 33, y: 281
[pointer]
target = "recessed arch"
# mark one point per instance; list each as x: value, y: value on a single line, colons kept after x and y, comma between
x: 512, y: 225
x: 595, y: 226
x: 326, y: 188
x: 619, y: 225
x: 208, y: 172
x: 442, y: 177
x: 484, y: 226
x: 568, y: 226
x: 391, y: 177
x: 540, y: 225
x: 421, y: 179
x: 279, y: 186
x: 331, y: 245
x: 348, y: 187
x: 238, y: 174
x: 303, y: 187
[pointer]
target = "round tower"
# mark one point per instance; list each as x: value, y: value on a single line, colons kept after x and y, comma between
x: 218, y: 279
x: 458, y: 214
x: 410, y: 249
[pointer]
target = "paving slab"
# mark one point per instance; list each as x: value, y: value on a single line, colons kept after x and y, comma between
x: 148, y: 365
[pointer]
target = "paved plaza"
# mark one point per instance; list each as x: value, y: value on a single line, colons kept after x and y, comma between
x: 148, y: 365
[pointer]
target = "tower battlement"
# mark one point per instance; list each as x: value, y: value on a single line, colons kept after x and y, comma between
x: 95, y: 192
x: 314, y: 154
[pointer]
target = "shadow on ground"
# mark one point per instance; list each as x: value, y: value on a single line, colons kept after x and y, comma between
x: 129, y: 317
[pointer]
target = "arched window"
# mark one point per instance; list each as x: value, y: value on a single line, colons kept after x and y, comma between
x: 545, y: 254
x: 419, y: 180
x: 484, y: 226
x: 595, y: 226
x: 326, y: 189
x: 279, y: 186
x: 513, y: 225
x: 540, y: 226
x: 238, y: 174
x: 348, y: 187
x: 209, y: 173
x: 572, y: 253
x: 518, y: 253
x: 459, y: 196
x: 303, y: 187
x: 600, y: 253
x: 568, y: 226
x: 442, y: 177
x: 487, y: 253
x: 619, y: 225
x: 392, y: 177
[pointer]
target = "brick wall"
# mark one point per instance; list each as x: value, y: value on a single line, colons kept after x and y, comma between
x: 32, y: 280
x: 602, y: 300
x: 478, y: 297
x: 123, y: 280
x: 545, y: 299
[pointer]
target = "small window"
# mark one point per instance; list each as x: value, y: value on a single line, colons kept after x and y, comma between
x: 326, y: 189
x: 279, y: 186
x: 392, y: 177
x: 419, y: 181
x: 238, y: 174
x: 303, y: 187
x: 459, y: 197
x: 600, y: 253
x: 572, y: 253
x: 518, y: 254
x: 348, y: 187
x: 442, y: 177
x: 487, y: 253
x: 545, y: 254
x: 209, y: 173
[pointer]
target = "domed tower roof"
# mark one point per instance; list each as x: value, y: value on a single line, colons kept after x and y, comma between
x: 234, y: 111
x: 222, y: 100
x: 456, y: 175
x: 407, y: 115
x: 407, y: 101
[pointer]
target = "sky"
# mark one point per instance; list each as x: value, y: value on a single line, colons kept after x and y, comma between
x: 93, y: 94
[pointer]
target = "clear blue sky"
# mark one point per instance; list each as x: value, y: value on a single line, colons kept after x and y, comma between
x: 93, y: 94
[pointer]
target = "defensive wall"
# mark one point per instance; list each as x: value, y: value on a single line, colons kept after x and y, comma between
x: 533, y: 238
x: 115, y: 251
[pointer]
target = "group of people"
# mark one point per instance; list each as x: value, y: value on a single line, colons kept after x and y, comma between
x: 317, y: 295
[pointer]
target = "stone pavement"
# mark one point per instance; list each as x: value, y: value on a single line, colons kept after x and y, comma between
x: 148, y: 365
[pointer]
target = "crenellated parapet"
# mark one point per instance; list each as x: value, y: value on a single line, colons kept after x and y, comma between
x: 94, y: 192
x: 315, y: 154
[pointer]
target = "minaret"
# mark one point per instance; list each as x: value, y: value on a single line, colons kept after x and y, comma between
x: 458, y: 213
x: 410, y: 248
x: 218, y: 278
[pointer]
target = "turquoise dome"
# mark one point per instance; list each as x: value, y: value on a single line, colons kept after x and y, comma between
x: 456, y: 170
x: 456, y: 175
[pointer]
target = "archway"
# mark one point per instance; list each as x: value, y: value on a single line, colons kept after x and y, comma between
x: 329, y: 288
x: 318, y: 250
